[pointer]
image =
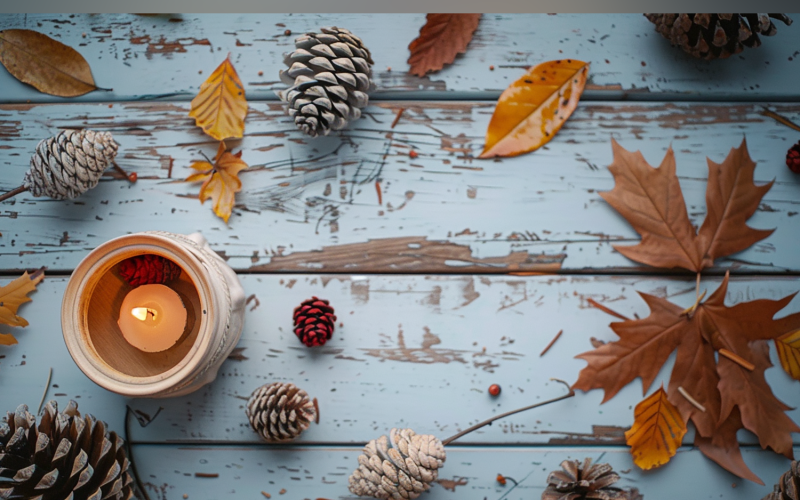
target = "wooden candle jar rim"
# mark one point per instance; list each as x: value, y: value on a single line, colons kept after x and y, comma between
x: 74, y: 317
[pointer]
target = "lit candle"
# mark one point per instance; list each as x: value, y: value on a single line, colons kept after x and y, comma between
x: 152, y: 318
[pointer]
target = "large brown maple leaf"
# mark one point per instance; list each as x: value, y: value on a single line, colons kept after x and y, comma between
x: 652, y: 201
x: 734, y: 394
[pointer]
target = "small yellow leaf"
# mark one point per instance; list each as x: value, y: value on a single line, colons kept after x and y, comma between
x: 46, y: 64
x: 12, y: 296
x: 657, y: 431
x: 220, y: 106
x: 788, y: 348
x: 532, y: 110
x: 220, y: 180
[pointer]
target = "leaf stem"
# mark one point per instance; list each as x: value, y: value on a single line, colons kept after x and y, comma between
x: 605, y: 309
x: 13, y: 192
x: 46, y: 387
x: 737, y: 359
x: 512, y: 412
x: 690, y: 399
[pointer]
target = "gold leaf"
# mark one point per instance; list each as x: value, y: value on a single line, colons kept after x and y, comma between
x: 220, y: 181
x: 46, y: 64
x: 12, y: 296
x: 788, y: 348
x: 657, y: 431
x: 532, y: 110
x: 220, y: 106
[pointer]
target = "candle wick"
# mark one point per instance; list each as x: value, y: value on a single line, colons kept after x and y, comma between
x: 141, y: 313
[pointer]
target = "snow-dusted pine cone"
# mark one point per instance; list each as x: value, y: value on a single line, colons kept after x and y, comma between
x: 69, y: 164
x: 788, y: 487
x: 715, y: 36
x: 401, y: 466
x: 280, y: 412
x: 148, y: 269
x: 329, y: 74
x: 66, y: 457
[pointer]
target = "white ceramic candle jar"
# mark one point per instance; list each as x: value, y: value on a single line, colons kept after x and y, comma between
x: 210, y: 292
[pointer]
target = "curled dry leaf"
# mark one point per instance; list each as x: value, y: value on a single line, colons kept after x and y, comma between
x: 220, y: 106
x: 652, y: 202
x: 719, y: 384
x: 440, y: 40
x: 46, y: 64
x: 12, y: 296
x: 657, y: 431
x: 534, y: 108
x: 220, y: 181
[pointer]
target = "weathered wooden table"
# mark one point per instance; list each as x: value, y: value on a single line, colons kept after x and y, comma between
x: 455, y: 277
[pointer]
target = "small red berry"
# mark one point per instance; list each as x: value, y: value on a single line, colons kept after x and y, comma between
x: 494, y: 390
x: 501, y: 479
x: 133, y: 176
x: 793, y: 158
x: 412, y: 154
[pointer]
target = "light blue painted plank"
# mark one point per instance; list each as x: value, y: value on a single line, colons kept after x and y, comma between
x: 443, y: 210
x: 145, y: 57
x: 417, y: 351
x: 322, y: 473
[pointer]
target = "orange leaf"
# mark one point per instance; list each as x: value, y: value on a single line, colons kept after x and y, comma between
x: 220, y: 106
x: 12, y: 296
x: 652, y: 202
x: 788, y: 348
x: 441, y: 38
x: 657, y: 431
x: 46, y: 64
x: 532, y: 110
x: 220, y: 181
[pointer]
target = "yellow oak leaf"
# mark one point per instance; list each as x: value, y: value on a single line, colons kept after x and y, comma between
x: 220, y: 106
x: 657, y: 431
x: 788, y: 348
x: 12, y: 296
x: 220, y: 180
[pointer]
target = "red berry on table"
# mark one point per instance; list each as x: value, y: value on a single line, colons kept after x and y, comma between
x: 494, y: 390
x: 793, y: 158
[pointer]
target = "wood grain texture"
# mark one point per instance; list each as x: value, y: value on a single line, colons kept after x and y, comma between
x: 322, y: 472
x: 426, y: 347
x: 311, y: 205
x: 629, y: 59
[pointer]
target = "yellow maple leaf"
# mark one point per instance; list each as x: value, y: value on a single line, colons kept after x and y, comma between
x: 12, y: 296
x: 220, y: 180
x: 220, y: 106
x: 657, y: 431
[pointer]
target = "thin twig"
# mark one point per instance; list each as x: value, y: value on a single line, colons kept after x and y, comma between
x: 605, y: 309
x: 380, y: 195
x: 512, y: 412
x: 132, y: 462
x: 691, y: 399
x: 697, y: 288
x: 397, y: 118
x: 781, y: 119
x: 206, y: 474
x: 46, y: 387
x: 551, y: 343
x: 738, y: 359
x: 130, y: 177
x: 691, y: 309
x: 13, y: 192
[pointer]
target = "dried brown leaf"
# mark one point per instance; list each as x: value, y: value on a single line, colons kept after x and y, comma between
x: 46, y: 64
x: 440, y: 40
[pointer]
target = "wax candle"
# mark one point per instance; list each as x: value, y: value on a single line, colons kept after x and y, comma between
x: 152, y: 318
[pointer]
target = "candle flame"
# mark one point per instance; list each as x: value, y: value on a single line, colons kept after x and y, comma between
x: 141, y: 313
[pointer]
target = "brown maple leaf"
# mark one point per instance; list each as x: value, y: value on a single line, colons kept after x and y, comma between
x: 441, y: 38
x: 717, y: 389
x: 652, y: 201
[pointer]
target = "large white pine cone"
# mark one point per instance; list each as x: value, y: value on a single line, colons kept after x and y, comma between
x: 401, y: 466
x: 280, y: 412
x: 329, y: 74
x: 69, y: 164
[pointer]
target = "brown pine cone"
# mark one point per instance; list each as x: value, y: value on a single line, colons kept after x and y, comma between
x: 280, y: 412
x: 793, y: 158
x: 148, y: 269
x: 788, y: 487
x: 314, y: 322
x: 584, y: 482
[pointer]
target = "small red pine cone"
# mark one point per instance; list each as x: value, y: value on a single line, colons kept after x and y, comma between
x: 314, y: 322
x: 148, y: 269
x: 793, y: 158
